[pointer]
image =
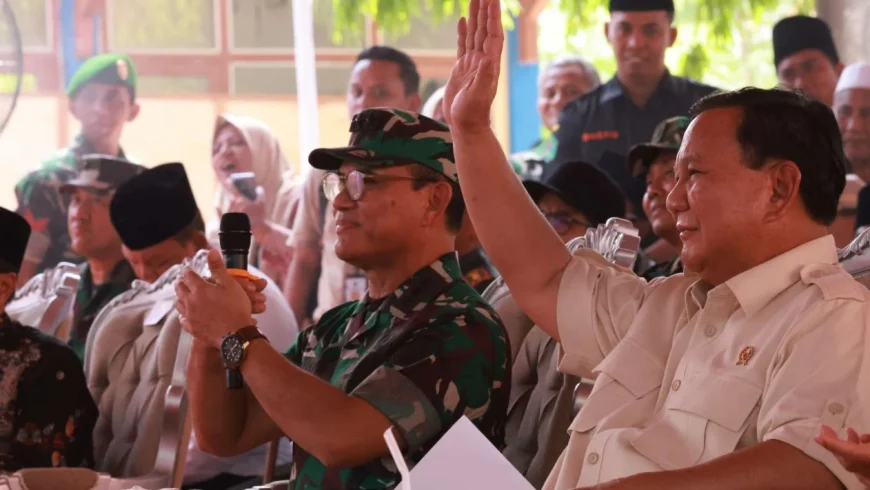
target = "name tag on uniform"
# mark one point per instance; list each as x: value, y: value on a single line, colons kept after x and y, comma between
x: 355, y: 288
x: 600, y: 136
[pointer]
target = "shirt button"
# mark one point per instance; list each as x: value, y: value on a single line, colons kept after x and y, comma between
x: 592, y: 459
x: 836, y: 408
x: 710, y: 331
x: 676, y: 385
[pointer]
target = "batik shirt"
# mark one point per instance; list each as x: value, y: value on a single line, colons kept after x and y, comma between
x: 428, y: 354
x: 47, y: 415
x: 477, y: 270
x: 91, y: 299
x: 41, y: 203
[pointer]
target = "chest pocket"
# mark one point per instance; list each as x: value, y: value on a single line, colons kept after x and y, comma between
x: 703, y: 419
x: 629, y: 377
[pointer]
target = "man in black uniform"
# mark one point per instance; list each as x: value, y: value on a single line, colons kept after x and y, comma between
x: 603, y: 125
x: 806, y: 58
x: 47, y: 415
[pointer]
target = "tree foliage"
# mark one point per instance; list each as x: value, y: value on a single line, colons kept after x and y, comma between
x: 725, y: 42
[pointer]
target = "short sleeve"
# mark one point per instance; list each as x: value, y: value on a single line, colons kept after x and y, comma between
x: 440, y: 374
x: 597, y: 303
x: 308, y: 226
x: 816, y: 382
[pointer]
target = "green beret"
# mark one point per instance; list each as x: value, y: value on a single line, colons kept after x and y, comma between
x: 112, y: 68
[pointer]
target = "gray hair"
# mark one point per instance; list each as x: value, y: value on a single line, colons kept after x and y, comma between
x: 588, y: 68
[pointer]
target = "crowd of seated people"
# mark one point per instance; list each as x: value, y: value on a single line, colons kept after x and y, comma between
x: 420, y: 275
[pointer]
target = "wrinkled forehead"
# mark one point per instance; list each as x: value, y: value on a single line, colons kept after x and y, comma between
x: 855, y: 97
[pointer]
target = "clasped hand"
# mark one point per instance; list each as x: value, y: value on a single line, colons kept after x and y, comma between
x: 213, y: 308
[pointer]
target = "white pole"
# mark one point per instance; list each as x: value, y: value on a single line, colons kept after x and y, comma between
x: 306, y: 80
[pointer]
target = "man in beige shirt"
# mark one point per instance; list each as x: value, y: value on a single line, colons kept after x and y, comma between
x: 719, y: 379
x: 382, y: 77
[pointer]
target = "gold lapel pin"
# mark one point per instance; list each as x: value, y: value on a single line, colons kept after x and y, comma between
x: 745, y: 356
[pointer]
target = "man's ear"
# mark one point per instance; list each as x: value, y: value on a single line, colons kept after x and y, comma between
x: 7, y: 288
x: 414, y: 102
x: 674, y: 33
x: 71, y: 105
x: 134, y: 112
x: 439, y: 199
x: 785, y: 182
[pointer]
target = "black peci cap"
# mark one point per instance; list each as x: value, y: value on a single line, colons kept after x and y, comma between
x: 15, y: 232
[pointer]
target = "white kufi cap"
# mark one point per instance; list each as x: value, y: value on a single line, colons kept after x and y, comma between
x: 856, y: 75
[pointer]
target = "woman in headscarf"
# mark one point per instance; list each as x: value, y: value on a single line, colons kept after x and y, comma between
x: 244, y: 144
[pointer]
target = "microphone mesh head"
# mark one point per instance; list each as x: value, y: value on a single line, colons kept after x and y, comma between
x: 235, y: 222
x: 235, y: 232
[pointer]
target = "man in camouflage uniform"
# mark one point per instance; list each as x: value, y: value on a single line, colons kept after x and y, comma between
x: 106, y: 273
x: 654, y: 162
x: 418, y: 352
x: 102, y: 97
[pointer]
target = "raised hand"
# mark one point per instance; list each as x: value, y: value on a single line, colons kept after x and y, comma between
x: 473, y: 82
x: 853, y: 452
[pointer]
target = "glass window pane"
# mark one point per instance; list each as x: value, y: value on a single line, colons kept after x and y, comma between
x: 31, y: 17
x: 281, y: 80
x: 264, y: 24
x: 161, y: 25
x: 332, y: 79
x: 264, y: 80
x: 172, y: 85
x: 425, y: 35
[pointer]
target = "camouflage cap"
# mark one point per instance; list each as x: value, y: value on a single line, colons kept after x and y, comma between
x: 668, y: 135
x: 101, y: 173
x: 385, y: 137
x: 111, y: 68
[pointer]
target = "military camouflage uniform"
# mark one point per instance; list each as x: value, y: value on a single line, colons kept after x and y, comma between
x: 42, y: 204
x: 477, y: 270
x: 530, y: 164
x: 428, y: 354
x: 425, y: 356
x: 90, y: 299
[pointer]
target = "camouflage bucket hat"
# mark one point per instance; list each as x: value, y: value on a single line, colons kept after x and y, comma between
x: 667, y: 136
x: 388, y: 137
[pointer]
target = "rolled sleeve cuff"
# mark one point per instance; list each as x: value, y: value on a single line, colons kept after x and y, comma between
x: 801, y: 435
x: 574, y: 316
x: 401, y: 401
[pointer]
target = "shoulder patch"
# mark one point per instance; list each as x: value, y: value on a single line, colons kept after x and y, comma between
x: 834, y: 282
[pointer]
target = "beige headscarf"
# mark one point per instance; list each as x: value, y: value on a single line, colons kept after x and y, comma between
x: 270, y: 167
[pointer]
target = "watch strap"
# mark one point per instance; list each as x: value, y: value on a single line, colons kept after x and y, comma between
x: 250, y: 333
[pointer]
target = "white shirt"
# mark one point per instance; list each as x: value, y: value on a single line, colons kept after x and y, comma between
x: 688, y: 374
x: 278, y: 324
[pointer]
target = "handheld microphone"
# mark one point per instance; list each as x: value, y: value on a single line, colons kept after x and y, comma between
x: 235, y: 241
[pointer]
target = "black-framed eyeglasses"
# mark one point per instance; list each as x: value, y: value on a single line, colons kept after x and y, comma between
x: 355, y: 183
x: 562, y: 221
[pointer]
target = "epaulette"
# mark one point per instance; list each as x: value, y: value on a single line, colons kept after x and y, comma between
x: 46, y: 281
x: 834, y: 282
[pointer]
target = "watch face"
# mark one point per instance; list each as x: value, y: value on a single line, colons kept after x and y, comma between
x: 231, y: 350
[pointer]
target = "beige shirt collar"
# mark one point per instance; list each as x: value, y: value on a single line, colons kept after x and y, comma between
x: 756, y: 287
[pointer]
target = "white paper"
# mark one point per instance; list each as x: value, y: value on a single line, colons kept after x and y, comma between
x: 465, y: 460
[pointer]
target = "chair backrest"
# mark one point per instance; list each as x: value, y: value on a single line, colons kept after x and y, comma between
x: 855, y: 258
x: 46, y: 301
